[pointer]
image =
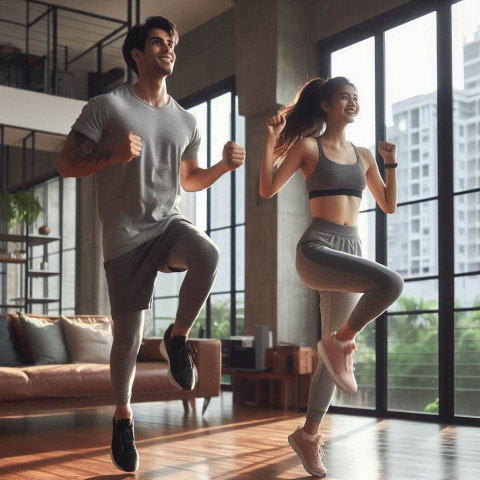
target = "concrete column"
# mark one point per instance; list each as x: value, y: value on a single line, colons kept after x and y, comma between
x: 273, y: 54
x: 297, y: 306
x: 205, y: 56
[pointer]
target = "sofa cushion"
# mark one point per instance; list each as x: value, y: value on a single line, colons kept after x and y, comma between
x: 22, y: 339
x: 13, y: 384
x: 88, y: 342
x: 91, y: 379
x: 68, y: 380
x: 152, y: 377
x: 8, y: 356
x: 46, y: 340
x: 150, y: 350
x: 89, y: 319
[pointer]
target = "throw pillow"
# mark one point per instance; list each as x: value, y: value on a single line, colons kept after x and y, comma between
x: 46, y: 339
x: 88, y: 342
x: 8, y: 356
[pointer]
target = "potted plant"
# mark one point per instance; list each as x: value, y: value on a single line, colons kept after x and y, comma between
x: 28, y: 207
x: 8, y: 210
x: 19, y: 207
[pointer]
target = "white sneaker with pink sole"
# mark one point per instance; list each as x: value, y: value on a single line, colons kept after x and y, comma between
x: 339, y: 359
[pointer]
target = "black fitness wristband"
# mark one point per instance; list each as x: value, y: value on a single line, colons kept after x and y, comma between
x: 391, y: 165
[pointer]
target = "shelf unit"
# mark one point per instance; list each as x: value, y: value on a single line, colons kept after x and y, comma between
x: 33, y: 240
x: 12, y: 260
x: 26, y: 238
x: 29, y: 240
x: 35, y: 300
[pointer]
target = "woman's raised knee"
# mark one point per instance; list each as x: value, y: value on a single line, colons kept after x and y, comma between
x: 396, y: 285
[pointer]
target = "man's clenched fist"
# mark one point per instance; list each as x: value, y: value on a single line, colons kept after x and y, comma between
x: 233, y: 155
x: 129, y: 148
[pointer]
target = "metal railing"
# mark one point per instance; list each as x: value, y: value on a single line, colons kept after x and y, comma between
x: 42, y: 51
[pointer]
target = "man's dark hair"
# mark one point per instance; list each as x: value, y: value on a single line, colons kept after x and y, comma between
x: 138, y: 35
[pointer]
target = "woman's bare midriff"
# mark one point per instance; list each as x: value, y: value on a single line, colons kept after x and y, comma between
x: 341, y: 209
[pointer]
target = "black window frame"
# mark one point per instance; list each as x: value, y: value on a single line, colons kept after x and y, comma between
x: 376, y: 27
x: 207, y: 95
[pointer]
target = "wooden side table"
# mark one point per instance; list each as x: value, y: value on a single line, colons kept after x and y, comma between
x: 286, y: 381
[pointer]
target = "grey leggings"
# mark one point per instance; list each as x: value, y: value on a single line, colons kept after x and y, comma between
x: 194, y: 252
x: 329, y: 260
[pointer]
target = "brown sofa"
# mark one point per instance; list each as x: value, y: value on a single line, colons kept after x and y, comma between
x: 29, y: 387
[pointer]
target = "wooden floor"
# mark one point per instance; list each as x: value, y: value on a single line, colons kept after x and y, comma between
x: 231, y: 442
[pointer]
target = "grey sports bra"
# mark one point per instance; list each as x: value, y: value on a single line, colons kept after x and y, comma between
x: 332, y: 178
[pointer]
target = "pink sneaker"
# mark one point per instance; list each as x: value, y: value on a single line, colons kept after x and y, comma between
x: 310, y: 453
x: 339, y: 359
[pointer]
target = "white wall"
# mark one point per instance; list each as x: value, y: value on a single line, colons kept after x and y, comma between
x: 38, y: 111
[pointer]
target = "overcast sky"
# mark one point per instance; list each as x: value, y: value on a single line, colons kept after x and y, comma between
x: 410, y: 64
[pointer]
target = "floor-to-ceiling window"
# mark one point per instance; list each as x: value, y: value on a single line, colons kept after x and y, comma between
x: 357, y: 63
x: 220, y: 212
x: 423, y: 355
x: 466, y: 186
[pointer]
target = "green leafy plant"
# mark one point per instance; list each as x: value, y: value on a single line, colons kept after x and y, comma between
x: 432, y: 407
x: 28, y: 207
x: 8, y: 209
x: 19, y: 207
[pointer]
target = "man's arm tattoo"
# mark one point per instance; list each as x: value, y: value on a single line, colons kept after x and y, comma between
x: 85, y: 150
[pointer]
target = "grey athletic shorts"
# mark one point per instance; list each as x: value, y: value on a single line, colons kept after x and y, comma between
x: 131, y: 277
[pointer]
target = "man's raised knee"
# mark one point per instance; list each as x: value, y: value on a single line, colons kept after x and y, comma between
x: 206, y: 255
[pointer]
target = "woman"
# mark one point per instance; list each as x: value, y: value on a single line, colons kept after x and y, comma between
x: 329, y: 257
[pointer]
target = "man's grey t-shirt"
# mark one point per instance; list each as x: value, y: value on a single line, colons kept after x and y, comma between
x: 137, y: 200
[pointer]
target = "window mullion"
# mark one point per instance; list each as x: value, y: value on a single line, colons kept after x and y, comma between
x: 208, y: 310
x: 446, y: 320
x: 233, y: 218
x: 381, y: 336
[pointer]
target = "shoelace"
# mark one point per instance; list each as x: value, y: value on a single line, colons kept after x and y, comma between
x: 319, y: 448
x: 349, y: 356
x: 187, y: 352
x: 126, y: 438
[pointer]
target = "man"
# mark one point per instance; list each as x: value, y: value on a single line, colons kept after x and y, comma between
x: 141, y: 145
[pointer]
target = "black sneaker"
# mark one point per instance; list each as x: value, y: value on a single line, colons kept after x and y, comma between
x: 124, y: 452
x: 179, y: 354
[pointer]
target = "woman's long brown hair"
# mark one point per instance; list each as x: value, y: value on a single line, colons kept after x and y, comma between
x: 305, y: 116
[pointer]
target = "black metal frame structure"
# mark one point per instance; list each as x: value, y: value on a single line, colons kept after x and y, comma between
x: 26, y: 237
x: 207, y: 95
x: 52, y: 19
x: 376, y: 27
x: 51, y: 15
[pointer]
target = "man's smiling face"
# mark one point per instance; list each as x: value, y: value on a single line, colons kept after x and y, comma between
x: 158, y: 55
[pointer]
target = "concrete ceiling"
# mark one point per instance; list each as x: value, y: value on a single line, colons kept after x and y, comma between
x: 43, y: 141
x: 186, y: 14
